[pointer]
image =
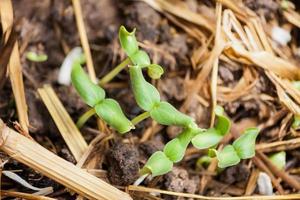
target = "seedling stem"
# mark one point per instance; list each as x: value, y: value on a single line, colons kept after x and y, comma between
x: 140, y: 118
x: 83, y: 118
x: 108, y: 77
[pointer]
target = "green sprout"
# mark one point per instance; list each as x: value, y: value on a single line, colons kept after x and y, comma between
x: 34, y: 57
x: 242, y: 148
x: 203, y: 161
x: 214, y: 135
x: 296, y: 122
x: 278, y: 159
x: 93, y: 95
x: 148, y: 99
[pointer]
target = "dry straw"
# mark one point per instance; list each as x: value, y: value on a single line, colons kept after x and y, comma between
x: 42, y: 160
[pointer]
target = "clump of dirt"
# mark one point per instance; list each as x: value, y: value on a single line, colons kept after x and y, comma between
x: 149, y: 147
x: 178, y: 181
x: 265, y: 8
x: 237, y: 173
x: 123, y: 164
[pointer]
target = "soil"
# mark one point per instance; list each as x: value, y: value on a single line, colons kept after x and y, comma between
x: 46, y: 26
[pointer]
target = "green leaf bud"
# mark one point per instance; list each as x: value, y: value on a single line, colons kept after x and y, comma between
x: 278, y: 159
x: 155, y: 71
x: 128, y: 41
x: 34, y: 57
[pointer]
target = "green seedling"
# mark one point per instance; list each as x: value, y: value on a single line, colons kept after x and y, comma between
x: 148, y: 99
x: 278, y: 159
x: 296, y: 122
x: 213, y: 136
x: 157, y: 164
x: 93, y: 95
x: 203, y: 161
x: 34, y: 57
x: 242, y: 148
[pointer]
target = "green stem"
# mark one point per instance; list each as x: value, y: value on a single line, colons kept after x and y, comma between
x: 83, y: 118
x: 108, y: 77
x: 140, y: 118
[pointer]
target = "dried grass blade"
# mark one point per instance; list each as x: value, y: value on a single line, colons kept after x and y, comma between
x: 6, y: 17
x: 260, y: 164
x: 279, y: 145
x: 15, y: 69
x: 293, y: 17
x: 64, y: 122
x: 214, y: 74
x: 181, y: 12
x: 22, y: 195
x: 42, y: 160
x: 252, y: 182
x: 16, y: 78
x: 242, y: 12
x: 5, y: 53
x: 84, y: 39
x: 195, y: 196
x: 269, y: 62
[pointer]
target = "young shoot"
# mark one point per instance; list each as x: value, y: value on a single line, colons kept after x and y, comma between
x: 93, y: 95
x: 64, y: 74
x: 213, y: 136
x: 203, y: 161
x: 278, y: 159
x: 148, y: 99
x: 296, y: 122
x: 34, y: 57
x: 135, y: 56
x: 242, y: 148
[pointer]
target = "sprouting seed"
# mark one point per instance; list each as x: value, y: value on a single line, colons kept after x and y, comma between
x: 34, y: 57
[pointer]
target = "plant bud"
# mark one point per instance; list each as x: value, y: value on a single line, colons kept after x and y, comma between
x: 155, y: 71
x: 128, y: 41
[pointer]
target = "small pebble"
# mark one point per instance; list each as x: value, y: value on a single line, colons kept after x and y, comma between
x: 264, y: 184
x: 281, y: 35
